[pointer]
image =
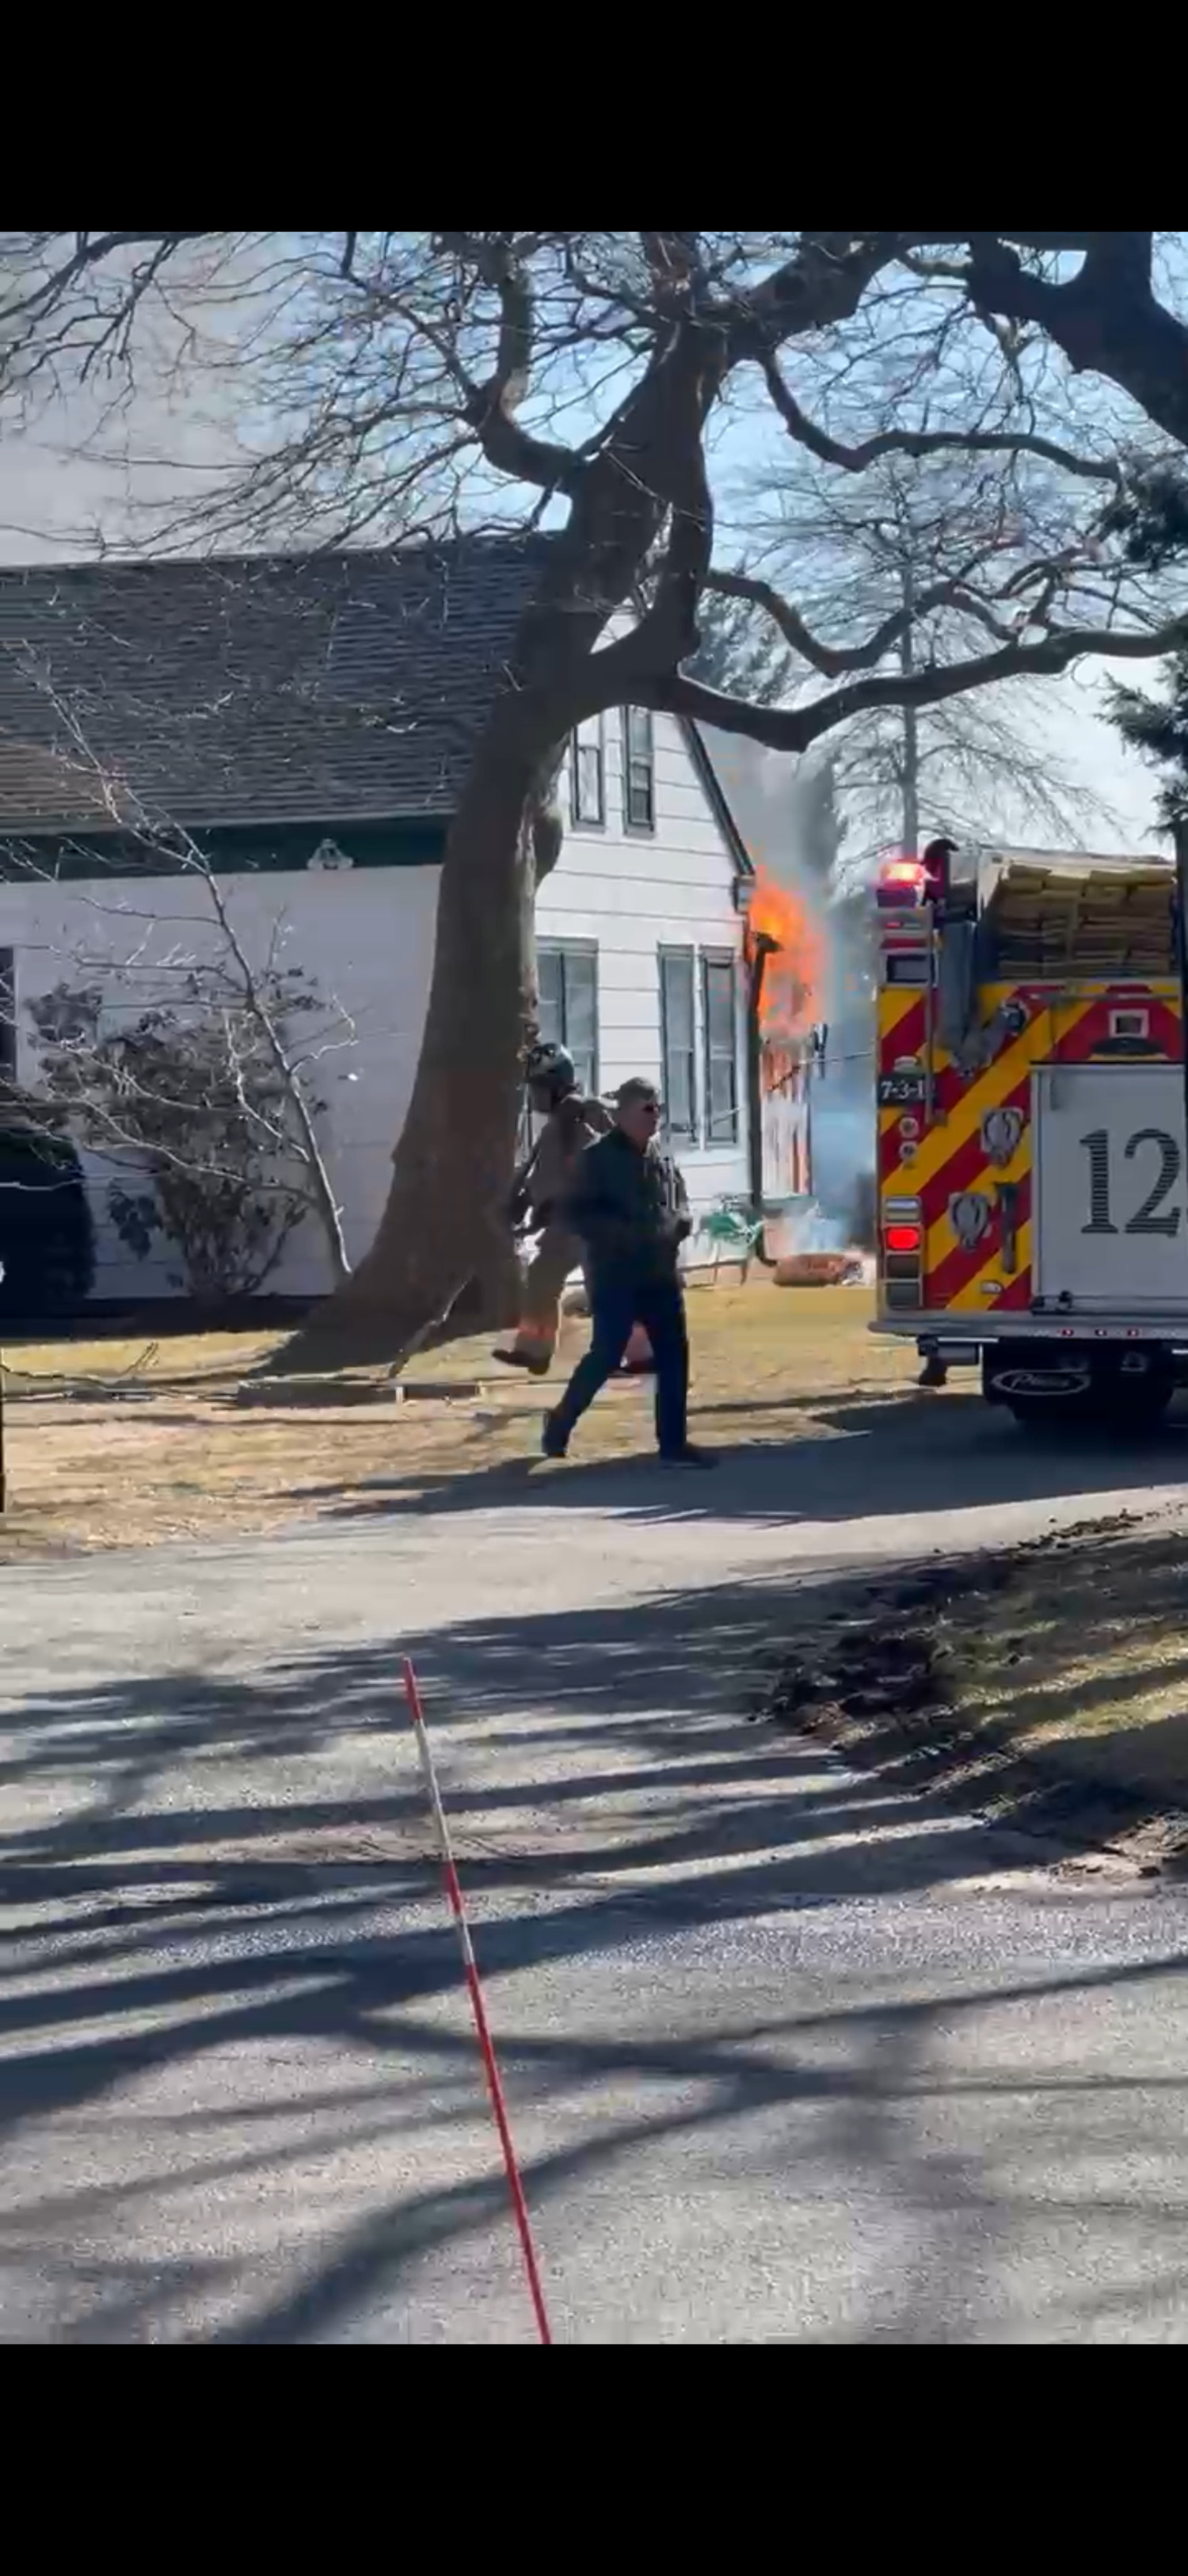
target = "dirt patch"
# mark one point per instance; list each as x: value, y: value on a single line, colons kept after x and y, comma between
x: 1047, y: 1685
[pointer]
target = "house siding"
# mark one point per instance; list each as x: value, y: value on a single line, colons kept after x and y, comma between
x: 365, y: 937
x: 634, y: 893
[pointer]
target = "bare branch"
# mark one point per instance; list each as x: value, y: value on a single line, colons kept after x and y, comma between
x: 833, y: 660
x: 927, y: 442
x: 1107, y: 317
x: 795, y: 728
x: 491, y: 407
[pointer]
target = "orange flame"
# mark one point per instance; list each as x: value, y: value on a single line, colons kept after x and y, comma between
x: 793, y: 979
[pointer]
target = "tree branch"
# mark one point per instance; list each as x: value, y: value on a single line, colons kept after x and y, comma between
x: 795, y: 728
x: 1106, y: 318
x: 925, y: 442
x: 491, y: 408
x: 834, y: 660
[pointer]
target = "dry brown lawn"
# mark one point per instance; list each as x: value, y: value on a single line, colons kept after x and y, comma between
x: 1079, y: 1661
x: 114, y: 1443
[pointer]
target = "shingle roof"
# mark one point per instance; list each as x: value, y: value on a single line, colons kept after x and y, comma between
x: 258, y: 688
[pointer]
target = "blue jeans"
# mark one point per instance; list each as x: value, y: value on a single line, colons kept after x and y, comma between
x: 617, y: 1304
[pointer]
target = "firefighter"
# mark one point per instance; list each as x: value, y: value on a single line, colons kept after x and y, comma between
x: 572, y: 1120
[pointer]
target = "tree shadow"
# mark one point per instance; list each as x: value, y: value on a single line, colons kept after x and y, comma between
x: 865, y: 1459
x: 209, y: 2002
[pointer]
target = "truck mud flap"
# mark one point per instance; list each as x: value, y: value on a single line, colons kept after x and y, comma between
x: 1118, y: 1385
x: 1009, y: 1380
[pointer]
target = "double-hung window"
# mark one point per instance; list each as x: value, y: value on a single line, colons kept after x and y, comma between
x: 639, y: 770
x: 678, y: 1042
x: 719, y: 1044
x: 587, y: 773
x: 567, y: 975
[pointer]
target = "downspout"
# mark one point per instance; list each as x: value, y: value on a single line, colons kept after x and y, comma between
x: 761, y: 947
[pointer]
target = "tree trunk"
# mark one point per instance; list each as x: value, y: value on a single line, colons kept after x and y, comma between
x: 445, y: 1226
x: 910, y: 771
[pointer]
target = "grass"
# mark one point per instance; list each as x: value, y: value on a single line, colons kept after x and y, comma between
x: 1049, y: 1683
x: 1079, y: 1660
x: 114, y: 1443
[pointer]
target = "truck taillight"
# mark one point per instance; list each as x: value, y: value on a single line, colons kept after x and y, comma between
x: 902, y: 1263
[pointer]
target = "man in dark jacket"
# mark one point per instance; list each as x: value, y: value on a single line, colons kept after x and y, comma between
x: 628, y: 1204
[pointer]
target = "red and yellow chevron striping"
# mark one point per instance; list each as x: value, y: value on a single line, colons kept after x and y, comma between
x: 937, y: 1160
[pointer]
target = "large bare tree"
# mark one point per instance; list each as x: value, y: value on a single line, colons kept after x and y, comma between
x: 948, y: 550
x: 404, y: 384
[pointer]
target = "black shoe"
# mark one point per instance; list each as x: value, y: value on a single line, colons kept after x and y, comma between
x: 687, y: 1457
x: 553, y: 1442
x: 520, y: 1359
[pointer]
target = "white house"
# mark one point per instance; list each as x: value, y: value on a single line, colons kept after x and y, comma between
x: 308, y: 721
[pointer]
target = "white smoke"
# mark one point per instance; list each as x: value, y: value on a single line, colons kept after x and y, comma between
x: 765, y: 790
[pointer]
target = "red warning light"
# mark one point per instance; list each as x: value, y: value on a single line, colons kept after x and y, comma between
x: 903, y: 1238
x: 901, y: 882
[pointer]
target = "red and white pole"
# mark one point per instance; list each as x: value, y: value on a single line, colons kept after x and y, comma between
x: 474, y: 1989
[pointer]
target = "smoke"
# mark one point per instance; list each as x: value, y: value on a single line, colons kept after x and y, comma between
x: 778, y: 813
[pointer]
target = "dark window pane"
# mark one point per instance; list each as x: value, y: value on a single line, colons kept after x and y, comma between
x: 639, y: 769
x: 8, y: 1031
x: 581, y: 1015
x: 552, y: 996
x: 677, y: 1038
x: 588, y: 795
x: 721, y: 1057
x: 568, y: 983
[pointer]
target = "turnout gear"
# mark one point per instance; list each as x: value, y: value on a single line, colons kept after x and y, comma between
x: 550, y: 1068
x: 538, y: 1197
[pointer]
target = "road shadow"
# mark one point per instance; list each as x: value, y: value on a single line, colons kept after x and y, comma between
x: 266, y: 1974
x: 912, y: 1454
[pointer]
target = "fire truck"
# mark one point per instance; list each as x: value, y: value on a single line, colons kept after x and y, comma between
x: 1031, y: 1130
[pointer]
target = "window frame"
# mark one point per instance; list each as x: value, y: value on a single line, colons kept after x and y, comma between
x: 718, y: 960
x: 675, y: 953
x: 638, y: 715
x: 568, y: 952
x: 579, y: 821
x: 9, y: 1033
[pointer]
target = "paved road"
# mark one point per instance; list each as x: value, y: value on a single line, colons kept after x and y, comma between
x: 792, y: 2056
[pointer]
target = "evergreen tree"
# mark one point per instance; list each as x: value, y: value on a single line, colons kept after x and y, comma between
x: 1155, y: 523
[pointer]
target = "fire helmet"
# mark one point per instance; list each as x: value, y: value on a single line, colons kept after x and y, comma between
x: 550, y: 1068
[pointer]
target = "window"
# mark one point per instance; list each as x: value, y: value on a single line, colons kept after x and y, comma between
x: 8, y: 1026
x: 567, y: 970
x: 639, y: 771
x: 678, y: 1041
x: 719, y: 1038
x: 587, y: 776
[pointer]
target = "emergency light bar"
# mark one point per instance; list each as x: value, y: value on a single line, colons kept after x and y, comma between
x: 900, y: 881
x: 903, y: 883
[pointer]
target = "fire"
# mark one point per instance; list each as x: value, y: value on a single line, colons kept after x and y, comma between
x: 794, y: 978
